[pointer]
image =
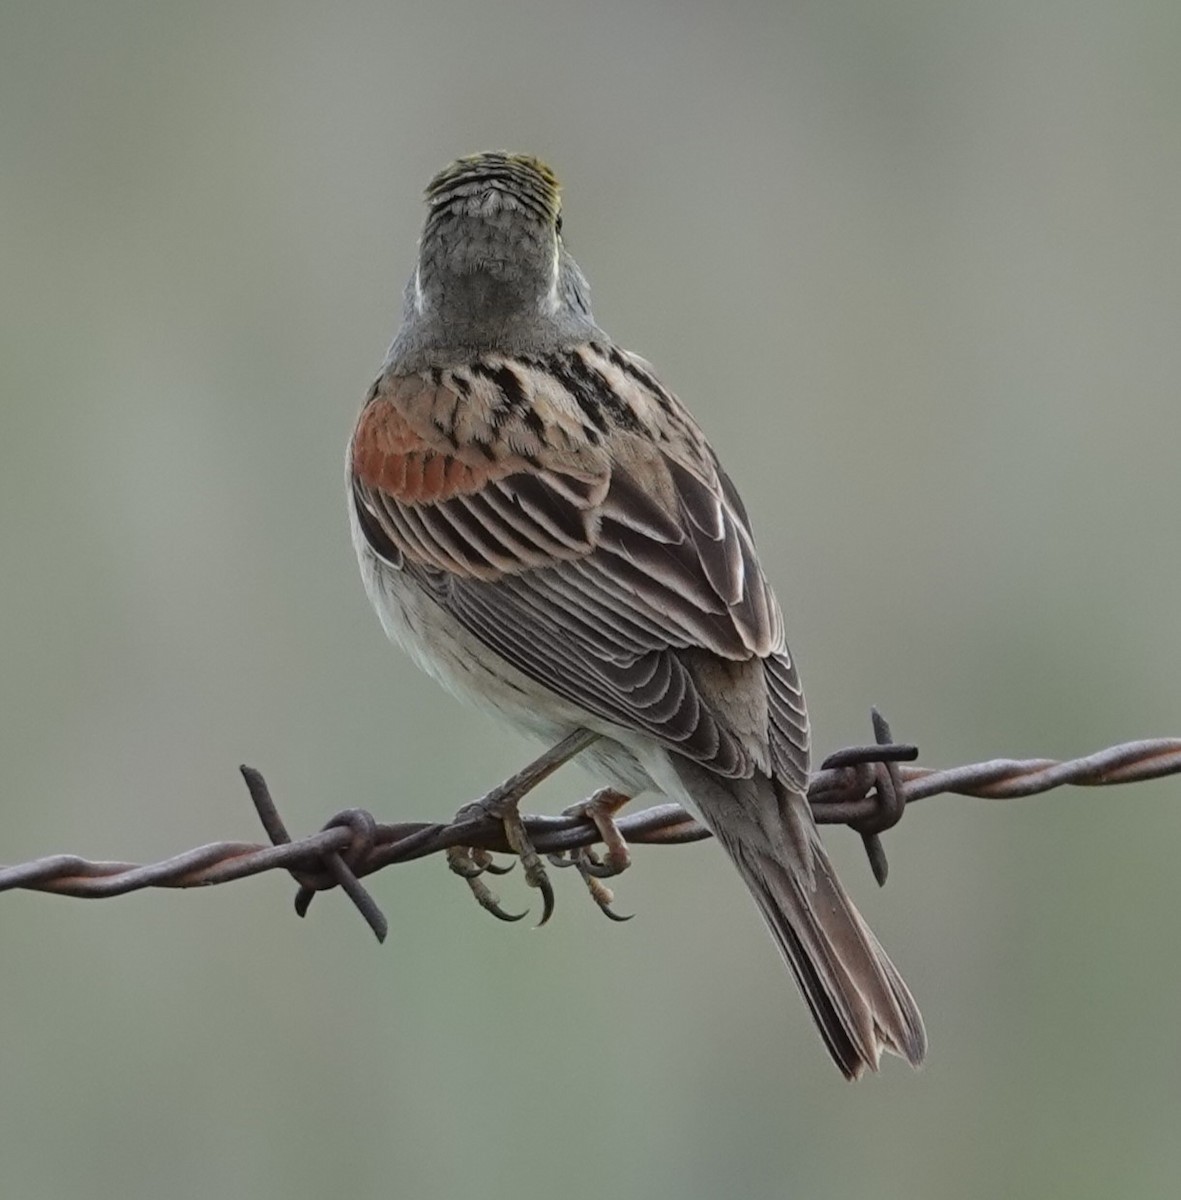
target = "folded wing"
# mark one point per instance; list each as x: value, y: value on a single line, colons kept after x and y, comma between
x: 544, y: 510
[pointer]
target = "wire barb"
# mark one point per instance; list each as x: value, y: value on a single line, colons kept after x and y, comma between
x: 865, y: 787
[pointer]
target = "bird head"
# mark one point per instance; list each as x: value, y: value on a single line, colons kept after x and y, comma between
x: 492, y: 270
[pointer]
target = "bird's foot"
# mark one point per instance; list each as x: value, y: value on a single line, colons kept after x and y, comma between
x: 470, y: 863
x: 593, y: 866
x: 503, y: 804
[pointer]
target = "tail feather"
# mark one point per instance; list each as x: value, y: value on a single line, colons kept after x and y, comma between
x: 857, y: 998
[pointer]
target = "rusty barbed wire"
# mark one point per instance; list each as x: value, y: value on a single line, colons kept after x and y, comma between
x: 865, y: 787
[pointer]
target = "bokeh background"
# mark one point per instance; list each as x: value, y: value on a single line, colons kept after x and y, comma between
x: 917, y: 268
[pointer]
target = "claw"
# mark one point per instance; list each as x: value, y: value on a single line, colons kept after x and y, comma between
x: 500, y: 914
x: 480, y: 858
x: 610, y: 913
x: 487, y: 899
x: 602, y: 895
x: 546, y: 888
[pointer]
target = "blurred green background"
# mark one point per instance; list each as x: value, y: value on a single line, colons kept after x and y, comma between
x: 916, y: 267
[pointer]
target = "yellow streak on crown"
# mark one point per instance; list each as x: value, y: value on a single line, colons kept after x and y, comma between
x: 522, y: 174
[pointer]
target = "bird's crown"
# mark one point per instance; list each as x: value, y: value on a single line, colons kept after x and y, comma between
x: 518, y: 178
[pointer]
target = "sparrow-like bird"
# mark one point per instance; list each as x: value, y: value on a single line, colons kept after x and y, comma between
x: 545, y: 529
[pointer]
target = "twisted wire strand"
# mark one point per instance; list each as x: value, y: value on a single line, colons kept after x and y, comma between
x: 865, y: 787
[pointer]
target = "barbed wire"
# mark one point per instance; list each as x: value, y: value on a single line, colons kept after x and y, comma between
x: 865, y: 787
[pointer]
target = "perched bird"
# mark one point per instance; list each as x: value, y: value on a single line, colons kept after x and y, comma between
x: 545, y: 528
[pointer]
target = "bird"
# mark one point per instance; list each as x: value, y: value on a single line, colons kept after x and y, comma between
x: 545, y: 529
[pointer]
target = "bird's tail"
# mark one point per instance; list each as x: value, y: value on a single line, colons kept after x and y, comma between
x: 857, y: 998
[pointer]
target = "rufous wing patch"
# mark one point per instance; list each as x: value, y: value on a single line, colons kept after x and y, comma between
x: 391, y: 456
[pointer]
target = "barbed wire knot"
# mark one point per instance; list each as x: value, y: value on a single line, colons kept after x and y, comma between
x: 340, y: 867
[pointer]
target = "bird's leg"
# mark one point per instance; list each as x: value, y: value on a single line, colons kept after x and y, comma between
x: 592, y: 866
x: 503, y: 804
